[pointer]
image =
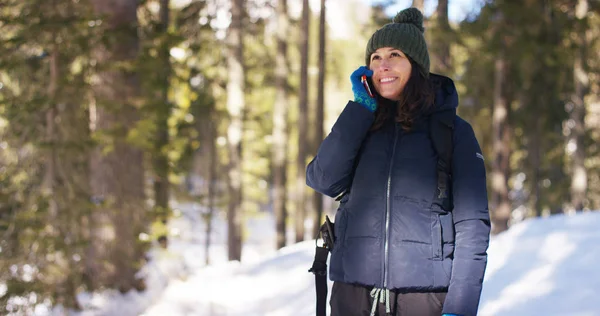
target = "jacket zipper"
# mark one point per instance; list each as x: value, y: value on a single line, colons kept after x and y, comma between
x: 388, y: 209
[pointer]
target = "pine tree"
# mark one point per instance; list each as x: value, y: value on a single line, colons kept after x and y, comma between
x: 44, y: 179
x: 117, y: 164
x: 442, y: 37
x: 302, y: 125
x: 235, y: 107
x: 162, y: 110
x: 419, y: 4
x: 320, y: 113
x: 577, y: 110
x: 280, y: 125
x: 499, y: 201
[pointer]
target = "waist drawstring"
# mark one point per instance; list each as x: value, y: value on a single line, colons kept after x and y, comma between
x: 383, y: 296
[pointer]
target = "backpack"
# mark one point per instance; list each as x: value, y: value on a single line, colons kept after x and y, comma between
x: 441, y: 131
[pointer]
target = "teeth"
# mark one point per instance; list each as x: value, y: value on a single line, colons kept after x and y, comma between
x: 387, y: 79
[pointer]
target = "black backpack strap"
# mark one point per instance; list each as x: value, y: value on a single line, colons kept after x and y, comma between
x: 441, y: 130
x: 319, y: 267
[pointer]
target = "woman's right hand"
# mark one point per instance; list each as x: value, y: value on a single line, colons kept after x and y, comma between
x: 361, y: 95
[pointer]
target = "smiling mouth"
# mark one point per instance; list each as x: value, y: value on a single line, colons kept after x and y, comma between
x: 387, y: 80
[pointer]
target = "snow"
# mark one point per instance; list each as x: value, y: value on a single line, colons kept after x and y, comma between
x: 544, y: 266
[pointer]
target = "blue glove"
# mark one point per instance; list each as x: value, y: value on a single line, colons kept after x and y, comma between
x: 361, y: 95
x: 450, y: 315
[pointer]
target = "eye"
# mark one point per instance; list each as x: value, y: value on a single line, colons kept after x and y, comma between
x: 395, y: 54
x: 375, y: 57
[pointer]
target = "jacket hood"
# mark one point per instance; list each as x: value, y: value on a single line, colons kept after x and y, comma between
x: 446, y: 96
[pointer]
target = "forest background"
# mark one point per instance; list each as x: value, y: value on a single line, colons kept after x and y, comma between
x: 111, y: 110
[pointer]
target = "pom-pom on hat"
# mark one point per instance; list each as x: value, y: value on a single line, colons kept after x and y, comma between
x: 404, y: 33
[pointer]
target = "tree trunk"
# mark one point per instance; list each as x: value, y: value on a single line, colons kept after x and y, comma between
x: 67, y: 177
x: 162, y: 112
x: 50, y: 176
x: 440, y: 51
x: 302, y: 125
x: 73, y: 189
x: 320, y: 113
x: 51, y: 189
x: 534, y: 147
x: 419, y: 4
x: 576, y: 125
x: 117, y: 175
x: 235, y: 107
x: 212, y: 182
x: 501, y: 144
x: 280, y: 125
x: 205, y: 163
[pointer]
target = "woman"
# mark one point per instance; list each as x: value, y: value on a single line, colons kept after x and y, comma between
x: 398, y: 249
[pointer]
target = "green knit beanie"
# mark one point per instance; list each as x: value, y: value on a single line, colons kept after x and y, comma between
x: 404, y: 33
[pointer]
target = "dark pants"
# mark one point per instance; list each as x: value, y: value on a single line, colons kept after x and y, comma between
x: 355, y: 300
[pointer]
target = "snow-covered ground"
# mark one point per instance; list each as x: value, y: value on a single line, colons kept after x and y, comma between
x: 542, y: 266
x: 546, y: 267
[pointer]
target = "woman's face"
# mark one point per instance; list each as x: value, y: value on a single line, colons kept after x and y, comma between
x: 391, y: 71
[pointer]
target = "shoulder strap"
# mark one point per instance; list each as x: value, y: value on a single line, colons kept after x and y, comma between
x: 441, y: 130
x: 319, y: 267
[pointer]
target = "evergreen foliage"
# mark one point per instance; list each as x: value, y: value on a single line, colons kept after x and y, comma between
x: 61, y: 130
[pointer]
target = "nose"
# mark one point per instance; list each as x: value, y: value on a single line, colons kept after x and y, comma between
x: 383, y: 65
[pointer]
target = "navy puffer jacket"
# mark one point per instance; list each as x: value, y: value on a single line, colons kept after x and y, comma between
x: 389, y: 233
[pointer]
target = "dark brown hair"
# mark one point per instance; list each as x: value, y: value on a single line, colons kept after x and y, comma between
x: 417, y: 98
